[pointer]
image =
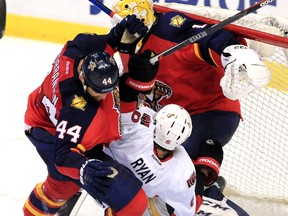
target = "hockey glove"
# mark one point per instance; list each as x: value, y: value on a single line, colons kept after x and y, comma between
x: 97, y: 178
x: 141, y: 72
x: 244, y: 71
x: 126, y: 34
x: 210, y: 158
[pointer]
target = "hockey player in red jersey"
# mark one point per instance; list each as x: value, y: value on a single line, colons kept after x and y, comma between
x: 206, y: 78
x: 72, y: 113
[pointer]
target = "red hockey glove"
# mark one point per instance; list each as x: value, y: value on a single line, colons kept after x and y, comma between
x: 141, y: 72
x: 210, y: 158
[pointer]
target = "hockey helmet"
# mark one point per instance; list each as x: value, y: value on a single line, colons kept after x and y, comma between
x: 173, y: 125
x: 100, y: 72
x: 143, y: 9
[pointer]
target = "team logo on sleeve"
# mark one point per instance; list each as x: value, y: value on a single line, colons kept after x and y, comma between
x: 79, y: 102
x: 177, y: 21
x: 145, y: 119
x: 191, y: 180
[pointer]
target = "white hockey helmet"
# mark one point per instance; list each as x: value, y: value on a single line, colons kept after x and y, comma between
x: 173, y: 126
x: 143, y: 9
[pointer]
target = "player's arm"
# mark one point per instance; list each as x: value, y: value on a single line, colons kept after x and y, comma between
x: 244, y: 70
x: 70, y: 131
x: 140, y: 79
x: 83, y: 44
x: 207, y: 167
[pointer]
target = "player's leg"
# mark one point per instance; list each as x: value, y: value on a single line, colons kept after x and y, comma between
x: 216, y: 125
x: 49, y: 196
x: 2, y: 17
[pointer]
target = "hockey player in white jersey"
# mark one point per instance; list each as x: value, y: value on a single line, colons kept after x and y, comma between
x: 151, y: 148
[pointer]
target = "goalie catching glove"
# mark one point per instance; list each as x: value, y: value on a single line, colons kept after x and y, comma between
x: 244, y: 72
x: 141, y: 72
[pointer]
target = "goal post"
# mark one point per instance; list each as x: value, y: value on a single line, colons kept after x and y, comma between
x: 255, y: 161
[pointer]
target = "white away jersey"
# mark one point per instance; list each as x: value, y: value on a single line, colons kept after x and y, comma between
x: 172, y: 179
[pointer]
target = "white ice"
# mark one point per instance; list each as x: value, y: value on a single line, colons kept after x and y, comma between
x: 24, y: 64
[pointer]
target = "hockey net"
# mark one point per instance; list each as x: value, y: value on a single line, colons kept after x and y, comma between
x: 256, y: 159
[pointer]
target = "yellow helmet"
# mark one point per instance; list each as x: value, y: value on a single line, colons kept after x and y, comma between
x: 143, y: 9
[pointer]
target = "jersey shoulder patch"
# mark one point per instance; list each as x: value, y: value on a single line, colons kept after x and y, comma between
x: 175, y: 26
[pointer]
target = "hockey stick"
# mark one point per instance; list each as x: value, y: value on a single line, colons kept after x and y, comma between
x: 107, y: 10
x: 73, y: 205
x: 2, y: 17
x: 210, y: 30
x: 198, y: 36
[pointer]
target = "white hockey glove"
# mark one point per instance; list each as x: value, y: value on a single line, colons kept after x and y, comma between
x: 244, y: 71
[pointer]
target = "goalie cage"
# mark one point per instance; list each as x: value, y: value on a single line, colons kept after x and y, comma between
x: 256, y: 159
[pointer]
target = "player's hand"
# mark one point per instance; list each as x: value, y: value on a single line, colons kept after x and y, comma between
x: 244, y: 71
x: 97, y: 178
x: 126, y: 34
x: 141, y: 72
x: 210, y: 158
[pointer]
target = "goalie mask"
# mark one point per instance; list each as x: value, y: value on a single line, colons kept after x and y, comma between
x: 100, y: 72
x: 143, y: 9
x: 173, y: 126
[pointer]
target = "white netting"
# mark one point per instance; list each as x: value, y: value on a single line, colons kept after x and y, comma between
x: 256, y: 160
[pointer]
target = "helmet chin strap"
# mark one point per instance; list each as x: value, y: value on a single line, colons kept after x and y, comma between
x: 83, y: 83
x: 84, y: 87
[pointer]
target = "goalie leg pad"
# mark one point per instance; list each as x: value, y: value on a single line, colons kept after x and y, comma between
x: 215, y: 203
